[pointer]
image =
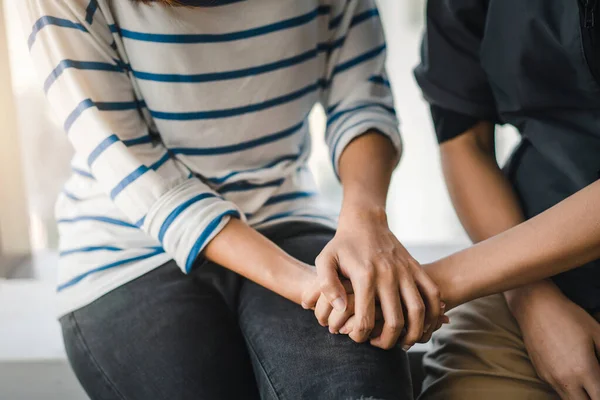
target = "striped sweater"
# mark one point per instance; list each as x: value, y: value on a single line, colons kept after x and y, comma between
x: 182, y: 118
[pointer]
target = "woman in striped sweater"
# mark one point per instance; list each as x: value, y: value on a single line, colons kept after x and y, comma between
x: 191, y: 215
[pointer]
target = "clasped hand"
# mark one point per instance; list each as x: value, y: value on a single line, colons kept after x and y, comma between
x: 369, y: 287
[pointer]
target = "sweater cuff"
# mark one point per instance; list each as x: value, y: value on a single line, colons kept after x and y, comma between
x: 187, y: 218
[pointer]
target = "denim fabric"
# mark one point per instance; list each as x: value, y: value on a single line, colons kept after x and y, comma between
x: 215, y: 335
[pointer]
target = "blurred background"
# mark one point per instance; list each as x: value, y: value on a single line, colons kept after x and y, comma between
x: 419, y: 208
x: 34, y: 163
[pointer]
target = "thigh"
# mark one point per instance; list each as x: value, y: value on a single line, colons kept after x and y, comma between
x: 295, y: 358
x: 161, y: 336
x: 481, y: 354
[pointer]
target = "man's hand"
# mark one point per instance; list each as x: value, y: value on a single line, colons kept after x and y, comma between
x: 343, y: 321
x: 563, y: 342
x: 368, y: 254
x: 338, y: 319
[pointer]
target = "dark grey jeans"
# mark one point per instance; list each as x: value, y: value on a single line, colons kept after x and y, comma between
x: 215, y: 335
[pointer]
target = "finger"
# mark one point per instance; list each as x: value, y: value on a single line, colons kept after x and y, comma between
x: 415, y: 312
x: 393, y: 318
x: 570, y: 391
x: 322, y: 310
x: 347, y: 286
x: 592, y: 382
x: 431, y: 298
x: 311, y: 296
x: 338, y: 319
x: 364, y: 306
x: 428, y: 334
x: 329, y: 280
x: 348, y: 326
x: 377, y: 330
x: 576, y: 393
x: 443, y: 319
x: 592, y: 390
x: 426, y: 337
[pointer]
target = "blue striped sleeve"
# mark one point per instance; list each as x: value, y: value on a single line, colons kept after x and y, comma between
x: 45, y: 21
x: 359, y: 98
x: 89, y: 86
x: 80, y: 65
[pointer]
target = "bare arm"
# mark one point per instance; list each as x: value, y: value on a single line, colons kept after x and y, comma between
x: 562, y: 238
x: 366, y: 167
x: 245, y: 251
x: 482, y: 196
x: 484, y: 200
x: 486, y: 206
x: 366, y: 252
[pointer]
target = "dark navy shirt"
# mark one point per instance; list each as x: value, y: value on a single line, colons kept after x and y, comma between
x: 533, y: 64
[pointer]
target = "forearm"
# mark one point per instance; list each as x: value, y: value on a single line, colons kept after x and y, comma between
x: 484, y: 200
x: 561, y: 238
x: 482, y: 196
x: 366, y: 167
x: 245, y: 251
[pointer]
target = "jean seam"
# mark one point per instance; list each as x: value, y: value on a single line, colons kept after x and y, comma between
x: 96, y: 364
x: 263, y: 370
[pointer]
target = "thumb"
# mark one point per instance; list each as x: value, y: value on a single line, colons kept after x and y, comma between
x: 330, y: 283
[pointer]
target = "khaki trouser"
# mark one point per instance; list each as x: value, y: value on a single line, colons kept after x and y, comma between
x: 481, y: 355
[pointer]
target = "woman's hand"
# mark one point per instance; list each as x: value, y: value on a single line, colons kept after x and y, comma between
x: 563, y: 342
x: 368, y: 254
x: 343, y: 321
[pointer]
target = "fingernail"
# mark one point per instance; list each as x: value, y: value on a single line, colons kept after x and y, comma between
x: 426, y: 328
x: 304, y: 306
x: 339, y: 304
x: 443, y: 305
x: 344, y: 331
x: 406, y: 347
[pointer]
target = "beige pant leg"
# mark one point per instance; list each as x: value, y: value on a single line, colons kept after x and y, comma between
x: 481, y: 355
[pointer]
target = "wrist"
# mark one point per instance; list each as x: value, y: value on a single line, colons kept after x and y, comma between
x: 454, y: 290
x: 522, y: 301
x: 294, y: 280
x: 363, y: 208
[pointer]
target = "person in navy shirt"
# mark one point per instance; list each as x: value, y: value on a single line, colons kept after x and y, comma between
x: 534, y: 65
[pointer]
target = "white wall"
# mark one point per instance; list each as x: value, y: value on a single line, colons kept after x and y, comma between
x: 14, y: 228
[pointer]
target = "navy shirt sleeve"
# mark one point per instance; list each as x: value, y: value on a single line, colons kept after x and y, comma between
x: 449, y: 124
x: 450, y: 73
